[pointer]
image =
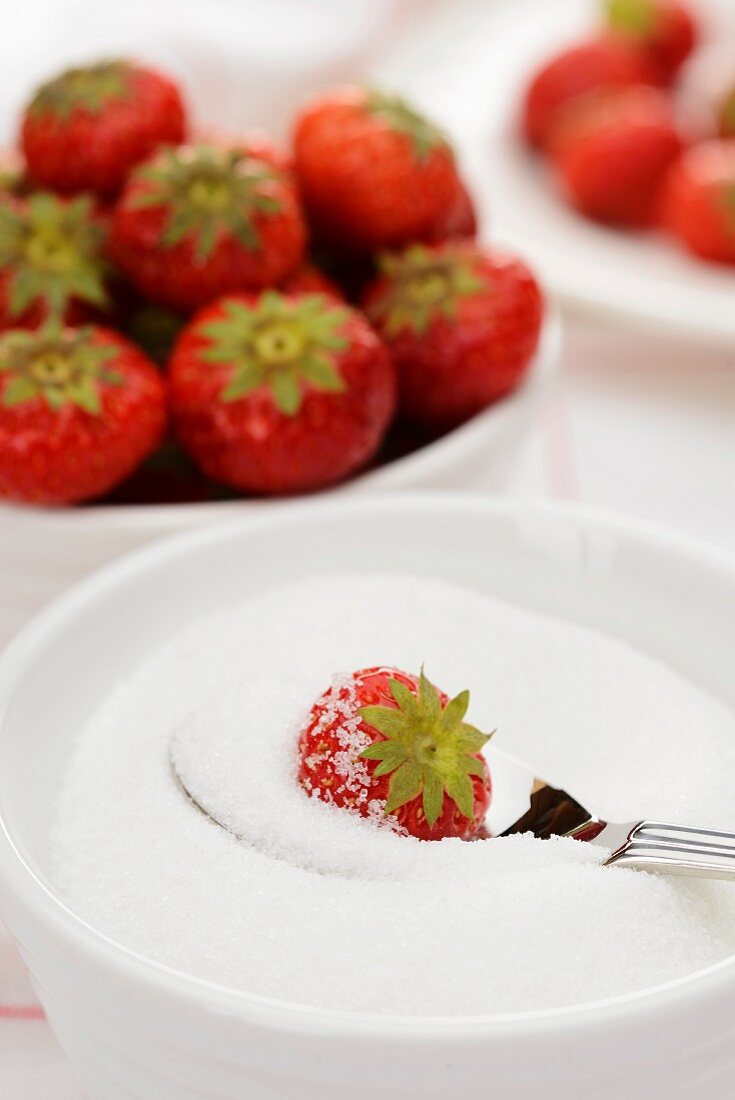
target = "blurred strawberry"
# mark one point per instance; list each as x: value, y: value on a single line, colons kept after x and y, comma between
x: 665, y: 30
x: 198, y: 222
x: 252, y: 143
x: 51, y: 260
x: 698, y: 204
x: 461, y: 324
x: 86, y: 129
x: 602, y: 63
x: 79, y: 409
x: 611, y: 153
x: 309, y: 279
x: 280, y: 394
x: 373, y: 172
x: 13, y: 174
x: 459, y: 221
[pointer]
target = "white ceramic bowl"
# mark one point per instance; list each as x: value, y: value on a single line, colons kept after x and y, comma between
x: 43, y: 551
x: 136, y: 1029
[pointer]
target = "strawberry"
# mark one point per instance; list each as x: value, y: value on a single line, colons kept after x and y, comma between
x: 459, y: 221
x: 86, y: 129
x: 373, y: 172
x: 79, y: 410
x: 280, y: 394
x: 51, y: 260
x: 612, y: 151
x: 13, y: 174
x: 383, y: 743
x: 599, y: 64
x: 698, y: 204
x: 461, y: 324
x: 253, y: 143
x: 198, y: 222
x: 309, y: 279
x: 666, y: 31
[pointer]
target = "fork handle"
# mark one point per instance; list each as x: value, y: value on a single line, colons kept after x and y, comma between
x: 677, y: 850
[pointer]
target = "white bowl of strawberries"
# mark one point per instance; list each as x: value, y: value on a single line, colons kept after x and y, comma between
x: 187, y: 327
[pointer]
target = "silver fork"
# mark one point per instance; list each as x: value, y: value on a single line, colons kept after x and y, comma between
x: 523, y: 803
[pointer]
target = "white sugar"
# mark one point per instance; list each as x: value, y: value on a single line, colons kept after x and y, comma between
x: 323, y: 907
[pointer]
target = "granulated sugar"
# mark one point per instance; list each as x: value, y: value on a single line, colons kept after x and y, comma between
x: 321, y: 907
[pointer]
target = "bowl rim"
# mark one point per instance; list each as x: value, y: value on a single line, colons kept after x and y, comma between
x: 401, y: 473
x: 74, y: 934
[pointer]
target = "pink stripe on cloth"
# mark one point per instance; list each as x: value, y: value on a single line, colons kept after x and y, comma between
x: 21, y: 1012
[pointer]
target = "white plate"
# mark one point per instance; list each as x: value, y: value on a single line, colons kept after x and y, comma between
x: 470, y: 72
x: 637, y: 278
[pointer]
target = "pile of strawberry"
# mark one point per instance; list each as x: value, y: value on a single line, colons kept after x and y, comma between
x: 268, y: 317
x: 604, y: 114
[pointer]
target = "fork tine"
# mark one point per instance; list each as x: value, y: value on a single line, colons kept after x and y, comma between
x: 678, y: 849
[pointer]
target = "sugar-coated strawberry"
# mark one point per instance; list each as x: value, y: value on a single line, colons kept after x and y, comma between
x: 373, y: 172
x: 599, y: 64
x: 79, y: 410
x: 461, y: 323
x: 279, y: 393
x: 459, y: 221
x: 698, y: 204
x: 87, y: 128
x: 612, y: 152
x: 51, y: 260
x: 198, y: 222
x: 665, y: 30
x: 389, y: 745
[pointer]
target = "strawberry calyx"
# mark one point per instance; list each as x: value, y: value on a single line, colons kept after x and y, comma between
x: 633, y: 17
x: 89, y: 88
x: 52, y: 249
x: 208, y: 192
x: 61, y: 366
x: 286, y: 344
x: 400, y: 117
x: 427, y: 749
x: 423, y: 284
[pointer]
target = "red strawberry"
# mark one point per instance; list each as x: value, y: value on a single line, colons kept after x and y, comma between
x: 698, y: 204
x: 79, y: 410
x: 196, y: 223
x: 373, y: 173
x: 86, y: 129
x: 310, y: 280
x: 602, y: 63
x: 280, y: 394
x: 461, y: 324
x: 459, y: 221
x: 13, y: 174
x: 51, y: 260
x: 384, y: 743
x: 253, y: 143
x: 612, y: 151
x: 665, y: 30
